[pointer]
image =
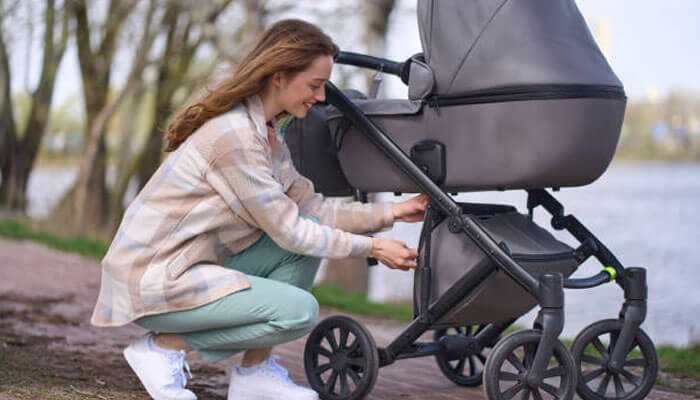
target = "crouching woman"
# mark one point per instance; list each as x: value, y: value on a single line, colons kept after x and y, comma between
x: 218, y: 252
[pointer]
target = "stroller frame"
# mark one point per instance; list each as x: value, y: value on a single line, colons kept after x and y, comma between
x: 548, y: 290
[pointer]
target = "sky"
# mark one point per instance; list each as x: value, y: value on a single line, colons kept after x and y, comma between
x: 652, y: 45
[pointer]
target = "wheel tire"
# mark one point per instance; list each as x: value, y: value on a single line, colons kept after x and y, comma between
x: 475, y: 363
x: 505, y: 354
x: 341, y: 359
x: 588, y: 345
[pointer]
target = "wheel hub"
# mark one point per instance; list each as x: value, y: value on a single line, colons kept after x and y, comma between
x: 339, y: 359
x: 531, y: 381
x: 458, y: 346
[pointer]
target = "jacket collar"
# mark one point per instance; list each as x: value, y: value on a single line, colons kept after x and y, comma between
x: 256, y: 112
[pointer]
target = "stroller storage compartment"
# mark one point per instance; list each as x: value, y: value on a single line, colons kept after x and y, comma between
x: 499, y: 298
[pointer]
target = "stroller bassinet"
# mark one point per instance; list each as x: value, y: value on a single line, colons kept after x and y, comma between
x: 523, y: 99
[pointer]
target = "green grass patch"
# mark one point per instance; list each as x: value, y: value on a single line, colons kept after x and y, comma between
x: 332, y: 296
x: 682, y: 362
x: 80, y: 245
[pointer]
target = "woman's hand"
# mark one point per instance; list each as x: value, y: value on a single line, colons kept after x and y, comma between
x: 411, y: 210
x: 393, y: 253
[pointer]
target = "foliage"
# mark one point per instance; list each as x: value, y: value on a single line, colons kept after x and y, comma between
x: 80, y: 245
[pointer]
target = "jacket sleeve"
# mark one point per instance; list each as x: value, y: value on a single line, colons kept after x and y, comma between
x: 243, y: 176
x: 353, y: 217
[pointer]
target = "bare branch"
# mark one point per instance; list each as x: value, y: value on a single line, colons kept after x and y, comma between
x: 30, y: 44
x: 49, y: 15
x: 134, y: 78
x: 9, y: 10
x: 62, y: 42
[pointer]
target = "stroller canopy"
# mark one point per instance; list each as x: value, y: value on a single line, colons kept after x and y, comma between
x: 474, y: 45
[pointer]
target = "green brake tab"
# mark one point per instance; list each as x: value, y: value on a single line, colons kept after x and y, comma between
x: 611, y: 271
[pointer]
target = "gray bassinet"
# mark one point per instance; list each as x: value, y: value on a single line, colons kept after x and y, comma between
x: 507, y: 95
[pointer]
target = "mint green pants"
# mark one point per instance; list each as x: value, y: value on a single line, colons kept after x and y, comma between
x: 277, y: 308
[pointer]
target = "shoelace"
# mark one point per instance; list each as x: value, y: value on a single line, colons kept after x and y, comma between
x: 279, y: 370
x: 178, y: 363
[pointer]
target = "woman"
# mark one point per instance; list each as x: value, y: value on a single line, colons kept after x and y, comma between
x: 217, y: 253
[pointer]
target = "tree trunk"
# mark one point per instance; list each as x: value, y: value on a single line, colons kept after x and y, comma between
x: 15, y: 186
x: 85, y: 207
x: 8, y: 135
x: 349, y: 274
x: 352, y: 274
x: 180, y: 49
x: 130, y: 128
x: 375, y: 15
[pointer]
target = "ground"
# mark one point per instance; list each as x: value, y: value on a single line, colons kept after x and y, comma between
x: 48, y: 350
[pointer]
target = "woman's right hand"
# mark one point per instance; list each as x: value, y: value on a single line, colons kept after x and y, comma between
x: 394, y: 253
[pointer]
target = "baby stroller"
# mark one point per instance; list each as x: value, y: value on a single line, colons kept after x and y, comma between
x: 506, y: 95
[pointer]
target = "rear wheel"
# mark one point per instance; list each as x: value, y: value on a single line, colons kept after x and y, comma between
x: 464, y: 370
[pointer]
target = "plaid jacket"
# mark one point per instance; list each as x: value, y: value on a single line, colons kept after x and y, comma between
x: 214, y: 197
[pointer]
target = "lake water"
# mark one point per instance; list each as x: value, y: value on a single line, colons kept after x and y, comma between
x: 647, y: 214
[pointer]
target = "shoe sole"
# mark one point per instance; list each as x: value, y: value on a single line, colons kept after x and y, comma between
x: 257, y: 396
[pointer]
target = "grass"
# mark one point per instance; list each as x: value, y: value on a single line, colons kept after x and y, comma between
x: 680, y: 362
x: 80, y: 245
x: 332, y: 296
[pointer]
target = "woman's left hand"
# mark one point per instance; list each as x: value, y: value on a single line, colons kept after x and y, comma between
x: 411, y: 210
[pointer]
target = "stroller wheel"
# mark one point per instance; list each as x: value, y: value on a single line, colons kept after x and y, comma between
x: 466, y: 369
x: 596, y: 381
x: 341, y: 359
x: 511, y: 360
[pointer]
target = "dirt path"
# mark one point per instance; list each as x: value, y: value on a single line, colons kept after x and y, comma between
x: 48, y: 350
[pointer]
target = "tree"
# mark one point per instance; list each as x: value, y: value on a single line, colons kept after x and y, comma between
x: 185, y: 32
x: 375, y: 17
x: 19, y: 153
x: 85, y: 207
x: 352, y: 274
x: 181, y: 45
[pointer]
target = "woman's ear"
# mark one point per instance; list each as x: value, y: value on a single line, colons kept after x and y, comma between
x: 277, y: 80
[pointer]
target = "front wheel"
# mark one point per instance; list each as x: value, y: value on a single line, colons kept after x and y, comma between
x: 598, y: 382
x: 341, y: 359
x: 510, y: 362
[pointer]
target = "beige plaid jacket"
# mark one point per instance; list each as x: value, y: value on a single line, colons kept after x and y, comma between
x: 214, y: 197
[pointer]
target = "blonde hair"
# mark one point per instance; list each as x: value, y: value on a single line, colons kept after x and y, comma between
x: 288, y: 46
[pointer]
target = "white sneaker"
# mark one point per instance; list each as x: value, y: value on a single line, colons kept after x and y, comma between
x: 160, y: 370
x: 267, y: 381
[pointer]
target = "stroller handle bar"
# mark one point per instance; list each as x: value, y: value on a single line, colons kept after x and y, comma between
x: 375, y: 63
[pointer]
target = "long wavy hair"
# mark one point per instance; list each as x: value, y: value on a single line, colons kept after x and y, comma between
x: 289, y: 46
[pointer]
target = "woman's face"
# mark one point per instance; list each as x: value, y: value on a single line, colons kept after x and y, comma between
x: 298, y: 94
